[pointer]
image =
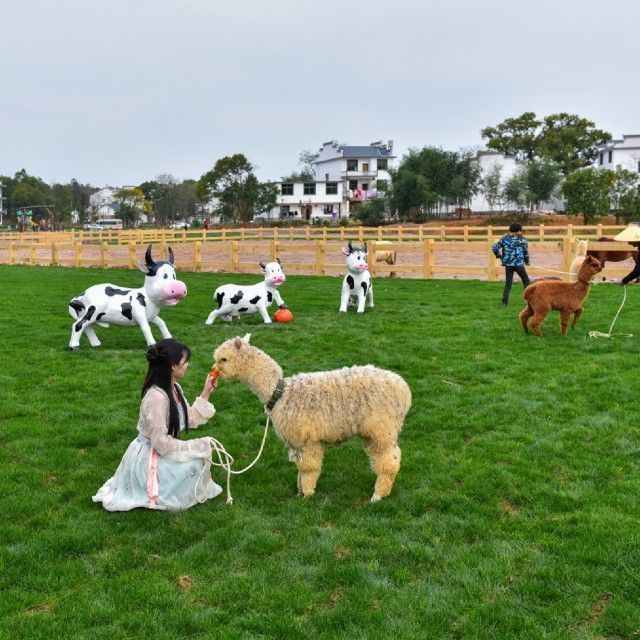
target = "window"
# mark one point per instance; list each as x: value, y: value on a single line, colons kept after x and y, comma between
x: 365, y: 167
x: 287, y: 188
x: 383, y: 165
x: 610, y: 156
x: 285, y: 211
x: 110, y: 223
x: 328, y: 209
x: 638, y: 166
x: 332, y: 188
x: 309, y: 189
x: 382, y: 185
x: 601, y: 158
x: 353, y: 185
x: 365, y: 186
x: 352, y: 165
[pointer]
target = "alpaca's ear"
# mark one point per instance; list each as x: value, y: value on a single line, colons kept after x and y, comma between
x: 238, y: 342
x: 246, y: 338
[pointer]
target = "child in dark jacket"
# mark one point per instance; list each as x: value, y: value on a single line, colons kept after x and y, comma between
x: 513, y: 250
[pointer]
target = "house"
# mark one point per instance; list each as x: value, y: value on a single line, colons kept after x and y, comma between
x: 345, y: 177
x: 102, y: 204
x: 624, y: 153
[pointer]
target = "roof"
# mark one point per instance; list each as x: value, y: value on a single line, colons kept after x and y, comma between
x: 365, y: 152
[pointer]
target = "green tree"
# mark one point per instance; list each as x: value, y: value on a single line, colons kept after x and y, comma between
x: 234, y: 185
x: 625, y: 187
x: 62, y: 196
x: 492, y: 188
x: 630, y: 206
x: 570, y: 141
x: 542, y: 180
x: 515, y: 136
x: 588, y: 192
x: 29, y: 190
x: 372, y: 213
x: 131, y: 204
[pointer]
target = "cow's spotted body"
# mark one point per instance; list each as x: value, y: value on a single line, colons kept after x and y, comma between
x: 235, y: 300
x: 356, y: 286
x: 108, y: 304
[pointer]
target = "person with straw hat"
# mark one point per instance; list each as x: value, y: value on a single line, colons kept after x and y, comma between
x: 631, y: 235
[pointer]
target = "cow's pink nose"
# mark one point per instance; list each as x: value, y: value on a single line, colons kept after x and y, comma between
x: 178, y: 290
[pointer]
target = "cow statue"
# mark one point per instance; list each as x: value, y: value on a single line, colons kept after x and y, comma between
x: 357, y: 283
x: 236, y: 300
x: 110, y: 304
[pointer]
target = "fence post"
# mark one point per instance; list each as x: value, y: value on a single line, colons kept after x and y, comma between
x: 132, y: 254
x: 420, y: 234
x: 567, y: 252
x: 234, y: 256
x: 373, y: 265
x: 224, y: 234
x: 443, y: 233
x: 104, y: 257
x: 320, y: 258
x: 541, y: 232
x: 492, y: 270
x: 32, y: 253
x: 54, y: 254
x: 275, y: 246
x: 465, y: 233
x: 197, y: 256
x: 599, y: 230
x: 427, y: 259
x: 12, y: 253
x: 78, y: 253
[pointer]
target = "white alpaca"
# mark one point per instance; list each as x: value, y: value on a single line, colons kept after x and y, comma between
x: 579, y: 256
x: 311, y: 410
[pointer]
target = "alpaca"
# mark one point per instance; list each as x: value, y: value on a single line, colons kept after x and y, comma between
x: 581, y: 252
x: 609, y: 256
x: 386, y: 255
x: 311, y: 410
x: 566, y: 297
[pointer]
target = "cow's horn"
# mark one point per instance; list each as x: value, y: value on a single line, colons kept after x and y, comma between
x: 350, y: 247
x: 147, y: 257
x: 278, y: 261
x: 263, y: 265
x: 170, y: 255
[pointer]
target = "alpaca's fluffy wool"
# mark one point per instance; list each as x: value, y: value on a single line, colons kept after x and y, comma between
x: 566, y: 297
x: 326, y: 407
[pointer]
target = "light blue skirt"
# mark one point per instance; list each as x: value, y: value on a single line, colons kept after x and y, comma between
x: 145, y: 479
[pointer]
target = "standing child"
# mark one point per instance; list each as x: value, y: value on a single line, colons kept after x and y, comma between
x: 159, y: 471
x: 513, y: 250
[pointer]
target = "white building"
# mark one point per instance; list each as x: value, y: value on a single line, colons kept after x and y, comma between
x: 345, y: 177
x: 624, y: 153
x: 102, y: 203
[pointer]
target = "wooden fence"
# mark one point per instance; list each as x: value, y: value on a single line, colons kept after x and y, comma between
x: 400, y: 233
x: 428, y: 258
x: 468, y: 256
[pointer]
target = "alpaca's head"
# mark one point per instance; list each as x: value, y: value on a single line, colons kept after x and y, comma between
x: 590, y: 267
x: 581, y: 248
x: 230, y: 358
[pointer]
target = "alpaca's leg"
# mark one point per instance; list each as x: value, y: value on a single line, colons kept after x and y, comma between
x: 309, y: 468
x: 385, y: 462
x: 576, y: 315
x: 565, y: 316
x: 538, y: 317
x: 525, y: 314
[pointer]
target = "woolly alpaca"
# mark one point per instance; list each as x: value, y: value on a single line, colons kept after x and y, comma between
x: 386, y: 255
x: 566, y: 297
x: 326, y: 407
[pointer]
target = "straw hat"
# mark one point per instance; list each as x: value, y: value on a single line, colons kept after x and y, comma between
x: 630, y: 234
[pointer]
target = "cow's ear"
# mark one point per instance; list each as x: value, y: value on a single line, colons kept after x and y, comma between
x: 142, y: 266
x: 346, y: 251
x: 246, y: 338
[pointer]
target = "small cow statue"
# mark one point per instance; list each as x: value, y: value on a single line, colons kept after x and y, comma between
x: 110, y: 304
x: 236, y: 300
x: 357, y: 283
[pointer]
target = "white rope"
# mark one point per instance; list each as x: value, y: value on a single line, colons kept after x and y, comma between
x: 225, y: 460
x: 598, y: 334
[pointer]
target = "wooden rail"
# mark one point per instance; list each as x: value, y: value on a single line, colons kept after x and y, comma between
x: 427, y: 258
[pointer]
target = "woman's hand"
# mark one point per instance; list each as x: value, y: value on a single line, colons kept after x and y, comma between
x: 209, y: 387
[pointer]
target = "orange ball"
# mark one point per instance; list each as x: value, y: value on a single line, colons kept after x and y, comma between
x: 283, y: 315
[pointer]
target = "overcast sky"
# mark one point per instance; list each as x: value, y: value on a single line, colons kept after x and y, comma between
x: 115, y: 92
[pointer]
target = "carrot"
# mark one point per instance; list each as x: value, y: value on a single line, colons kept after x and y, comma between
x: 214, y: 373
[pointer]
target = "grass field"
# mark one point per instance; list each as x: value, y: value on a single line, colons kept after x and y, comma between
x: 515, y: 514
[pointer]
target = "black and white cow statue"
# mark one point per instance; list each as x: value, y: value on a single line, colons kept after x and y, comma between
x: 356, y: 286
x: 110, y: 304
x: 236, y: 300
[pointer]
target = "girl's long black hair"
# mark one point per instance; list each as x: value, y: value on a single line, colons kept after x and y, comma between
x: 160, y: 357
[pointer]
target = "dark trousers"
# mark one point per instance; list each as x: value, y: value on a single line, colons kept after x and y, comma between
x: 509, y: 271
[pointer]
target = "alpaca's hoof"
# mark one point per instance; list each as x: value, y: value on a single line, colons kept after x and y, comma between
x: 308, y: 495
x: 375, y: 498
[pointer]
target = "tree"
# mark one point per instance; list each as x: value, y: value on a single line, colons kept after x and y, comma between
x: 131, y: 204
x: 624, y: 188
x: 492, y: 189
x: 62, y: 196
x: 515, y: 136
x: 235, y: 186
x: 372, y: 213
x: 570, y: 141
x: 430, y: 179
x: 563, y: 138
x: 588, y: 192
x: 29, y: 190
x: 542, y: 179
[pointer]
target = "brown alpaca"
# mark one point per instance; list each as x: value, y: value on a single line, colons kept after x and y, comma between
x: 566, y: 297
x: 609, y: 256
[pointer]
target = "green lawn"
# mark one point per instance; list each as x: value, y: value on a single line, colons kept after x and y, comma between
x: 515, y: 513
